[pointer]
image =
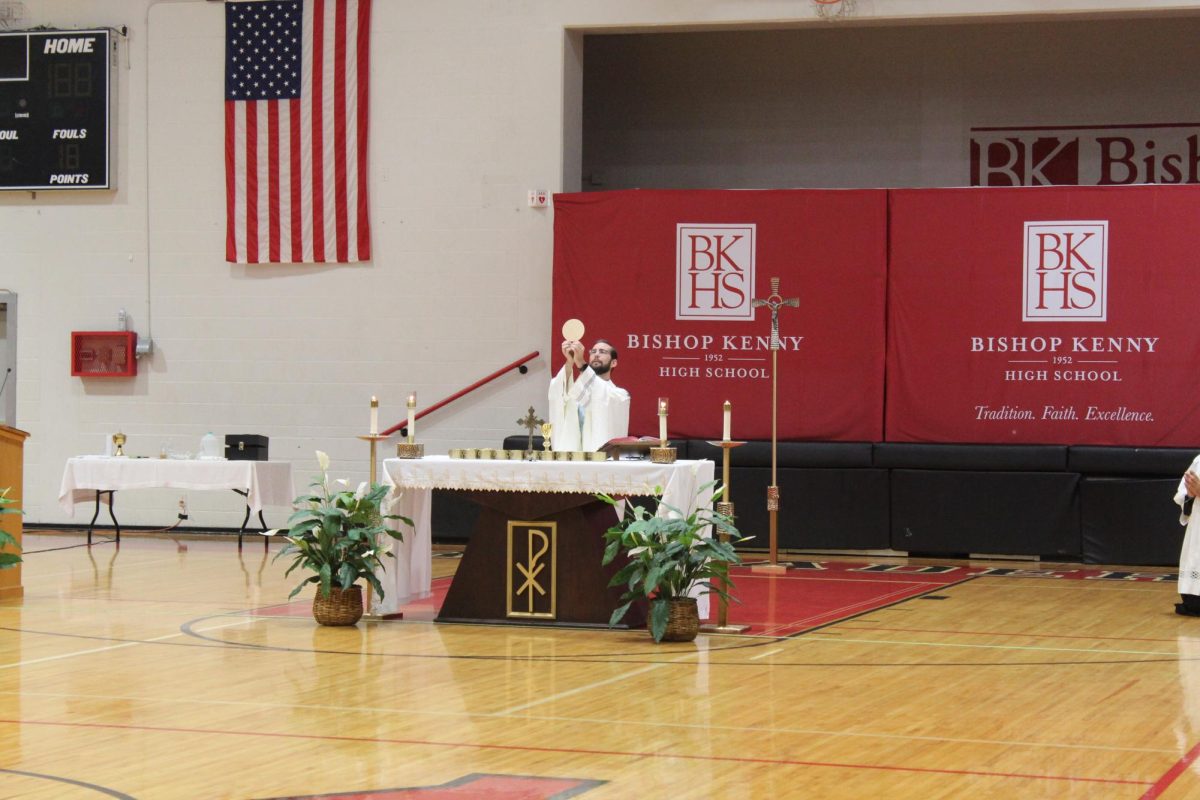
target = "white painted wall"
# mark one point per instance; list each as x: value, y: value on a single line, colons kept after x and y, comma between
x: 467, y: 114
x: 856, y: 107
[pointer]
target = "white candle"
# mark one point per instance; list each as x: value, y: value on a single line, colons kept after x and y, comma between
x: 662, y: 420
x: 412, y: 416
x: 374, y: 415
x: 728, y: 415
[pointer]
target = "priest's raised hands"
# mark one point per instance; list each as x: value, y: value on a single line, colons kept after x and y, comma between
x: 574, y: 352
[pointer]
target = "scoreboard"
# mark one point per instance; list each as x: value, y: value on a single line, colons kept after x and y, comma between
x: 54, y: 110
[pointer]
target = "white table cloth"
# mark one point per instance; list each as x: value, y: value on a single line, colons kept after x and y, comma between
x: 414, y: 480
x: 266, y: 483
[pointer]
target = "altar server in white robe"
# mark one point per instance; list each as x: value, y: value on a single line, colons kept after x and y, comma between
x: 1189, y: 556
x: 589, y: 410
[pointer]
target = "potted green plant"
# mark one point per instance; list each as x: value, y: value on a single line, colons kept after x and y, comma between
x: 10, y: 559
x: 668, y: 557
x: 337, y: 533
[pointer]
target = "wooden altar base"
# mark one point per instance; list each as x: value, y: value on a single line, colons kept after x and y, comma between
x: 479, y: 592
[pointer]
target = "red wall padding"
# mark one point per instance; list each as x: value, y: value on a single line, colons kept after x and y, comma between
x: 966, y: 365
x: 983, y: 344
x: 621, y: 260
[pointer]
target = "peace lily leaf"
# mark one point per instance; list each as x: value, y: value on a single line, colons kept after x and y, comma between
x: 619, y: 614
x: 660, y: 611
x: 8, y: 559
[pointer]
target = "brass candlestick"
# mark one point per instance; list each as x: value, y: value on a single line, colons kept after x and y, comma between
x: 373, y: 439
x: 724, y: 507
x: 662, y: 454
x: 411, y: 449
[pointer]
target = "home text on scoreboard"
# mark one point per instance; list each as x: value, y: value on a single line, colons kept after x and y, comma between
x: 54, y: 110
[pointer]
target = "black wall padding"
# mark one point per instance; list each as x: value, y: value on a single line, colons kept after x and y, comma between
x: 829, y: 455
x: 1158, y: 461
x: 1026, y: 458
x: 1009, y: 513
x: 451, y: 519
x: 833, y: 509
x: 1130, y: 521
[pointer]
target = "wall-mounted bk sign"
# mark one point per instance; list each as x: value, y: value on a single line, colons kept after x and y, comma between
x: 1078, y: 155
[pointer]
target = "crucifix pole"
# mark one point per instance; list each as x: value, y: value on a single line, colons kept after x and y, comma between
x: 774, y: 302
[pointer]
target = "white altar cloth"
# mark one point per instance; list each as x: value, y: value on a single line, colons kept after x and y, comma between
x: 266, y: 483
x: 409, y: 575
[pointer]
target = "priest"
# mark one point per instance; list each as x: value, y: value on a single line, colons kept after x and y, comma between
x: 1189, y: 558
x: 589, y: 410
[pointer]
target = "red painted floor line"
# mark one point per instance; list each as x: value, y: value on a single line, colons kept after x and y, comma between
x: 1162, y: 784
x: 622, y: 753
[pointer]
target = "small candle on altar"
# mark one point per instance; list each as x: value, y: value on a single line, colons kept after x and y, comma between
x: 412, y: 416
x: 728, y: 414
x: 662, y: 420
x: 374, y: 415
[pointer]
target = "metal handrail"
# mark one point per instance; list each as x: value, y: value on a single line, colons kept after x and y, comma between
x: 519, y: 365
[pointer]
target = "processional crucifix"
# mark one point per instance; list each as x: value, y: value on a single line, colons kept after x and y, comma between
x: 774, y: 302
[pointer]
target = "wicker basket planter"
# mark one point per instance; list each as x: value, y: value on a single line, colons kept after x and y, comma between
x: 341, y: 607
x: 683, y: 620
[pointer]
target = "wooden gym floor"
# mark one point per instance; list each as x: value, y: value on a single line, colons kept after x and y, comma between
x: 167, y: 670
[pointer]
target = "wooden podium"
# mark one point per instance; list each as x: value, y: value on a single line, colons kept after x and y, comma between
x: 12, y: 468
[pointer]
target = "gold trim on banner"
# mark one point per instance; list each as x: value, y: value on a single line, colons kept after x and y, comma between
x: 539, y: 549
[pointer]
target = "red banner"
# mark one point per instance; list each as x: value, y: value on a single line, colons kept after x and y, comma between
x: 669, y: 278
x: 1044, y: 315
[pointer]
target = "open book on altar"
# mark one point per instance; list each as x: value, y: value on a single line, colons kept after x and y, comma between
x: 630, y: 448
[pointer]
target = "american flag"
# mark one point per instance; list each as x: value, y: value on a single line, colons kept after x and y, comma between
x: 296, y: 90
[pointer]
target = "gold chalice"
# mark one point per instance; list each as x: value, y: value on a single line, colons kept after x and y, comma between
x: 119, y: 441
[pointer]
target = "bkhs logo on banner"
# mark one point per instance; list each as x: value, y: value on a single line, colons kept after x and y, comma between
x: 714, y: 271
x: 1066, y: 272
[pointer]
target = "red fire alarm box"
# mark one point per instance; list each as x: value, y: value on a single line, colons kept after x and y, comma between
x: 103, y: 354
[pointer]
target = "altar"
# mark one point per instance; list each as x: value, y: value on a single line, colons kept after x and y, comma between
x: 535, y: 555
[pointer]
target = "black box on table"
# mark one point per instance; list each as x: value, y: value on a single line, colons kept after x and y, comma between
x: 245, y: 447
